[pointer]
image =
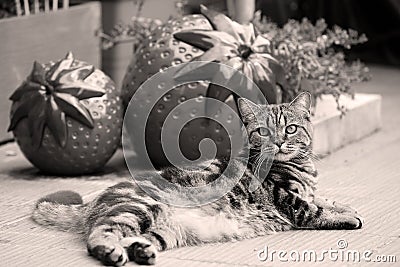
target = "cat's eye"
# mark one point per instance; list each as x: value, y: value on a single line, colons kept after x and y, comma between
x: 263, y: 131
x: 291, y: 129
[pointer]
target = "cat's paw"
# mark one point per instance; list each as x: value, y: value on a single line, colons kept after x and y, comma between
x: 333, y: 205
x: 351, y: 221
x: 343, y: 208
x: 361, y: 221
x: 110, y: 254
x: 140, y: 250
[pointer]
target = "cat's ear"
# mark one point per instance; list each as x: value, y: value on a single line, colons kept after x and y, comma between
x: 247, y: 109
x: 302, y: 102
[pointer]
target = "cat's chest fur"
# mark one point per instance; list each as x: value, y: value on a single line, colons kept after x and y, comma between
x: 239, y: 212
x: 208, y: 226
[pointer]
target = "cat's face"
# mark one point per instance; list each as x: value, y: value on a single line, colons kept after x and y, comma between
x: 284, y: 130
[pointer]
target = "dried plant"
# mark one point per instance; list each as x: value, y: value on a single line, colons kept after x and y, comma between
x: 313, y: 58
x: 134, y: 32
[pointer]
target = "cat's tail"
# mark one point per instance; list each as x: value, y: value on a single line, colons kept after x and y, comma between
x: 62, y: 210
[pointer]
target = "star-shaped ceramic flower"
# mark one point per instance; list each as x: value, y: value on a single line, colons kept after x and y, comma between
x: 240, y: 47
x: 50, y: 94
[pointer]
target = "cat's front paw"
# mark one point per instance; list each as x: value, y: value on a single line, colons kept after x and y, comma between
x: 351, y: 221
x: 140, y: 250
x: 343, y: 208
x: 361, y: 221
x: 110, y: 254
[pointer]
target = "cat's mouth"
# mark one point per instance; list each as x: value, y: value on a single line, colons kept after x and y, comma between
x: 280, y: 156
x: 281, y: 150
x: 282, y: 153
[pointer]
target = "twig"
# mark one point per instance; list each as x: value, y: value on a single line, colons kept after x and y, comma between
x: 46, y: 6
x: 26, y: 8
x: 36, y: 6
x: 55, y: 5
x: 18, y: 7
x: 139, y: 4
x: 65, y: 4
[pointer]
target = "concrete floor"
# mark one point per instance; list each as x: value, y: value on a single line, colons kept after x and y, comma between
x: 365, y: 174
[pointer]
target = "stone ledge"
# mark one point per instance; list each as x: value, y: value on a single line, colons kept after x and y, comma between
x: 333, y: 131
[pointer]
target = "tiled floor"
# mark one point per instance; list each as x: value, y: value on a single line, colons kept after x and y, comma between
x: 365, y: 174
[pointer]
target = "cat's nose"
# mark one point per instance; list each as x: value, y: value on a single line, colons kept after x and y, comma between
x: 277, y: 148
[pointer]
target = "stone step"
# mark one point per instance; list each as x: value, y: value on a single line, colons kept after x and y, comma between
x: 332, y: 130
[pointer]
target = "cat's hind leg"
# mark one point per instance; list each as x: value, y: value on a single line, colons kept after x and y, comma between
x: 104, y: 244
x: 118, y: 213
x: 114, y: 246
x: 140, y: 250
x: 143, y: 249
x: 106, y: 240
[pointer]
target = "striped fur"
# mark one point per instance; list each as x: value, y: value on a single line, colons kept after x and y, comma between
x: 123, y: 223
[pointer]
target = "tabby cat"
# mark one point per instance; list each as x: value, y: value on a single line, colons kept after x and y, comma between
x: 124, y: 224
